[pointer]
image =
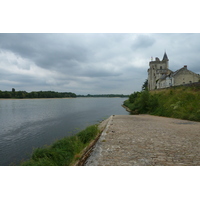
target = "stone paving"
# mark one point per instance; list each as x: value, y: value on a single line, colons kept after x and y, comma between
x: 145, y: 140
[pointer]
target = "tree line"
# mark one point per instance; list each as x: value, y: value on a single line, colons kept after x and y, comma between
x: 35, y: 94
x: 103, y: 95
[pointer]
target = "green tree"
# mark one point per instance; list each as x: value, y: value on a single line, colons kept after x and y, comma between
x: 13, y: 92
x: 133, y: 97
x: 7, y: 94
x: 145, y: 85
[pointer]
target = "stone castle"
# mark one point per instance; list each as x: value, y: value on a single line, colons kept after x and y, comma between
x: 160, y: 76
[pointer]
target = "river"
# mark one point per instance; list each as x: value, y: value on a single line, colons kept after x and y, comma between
x: 26, y: 124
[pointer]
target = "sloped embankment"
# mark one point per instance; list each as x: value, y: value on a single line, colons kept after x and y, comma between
x: 181, y: 102
x: 66, y: 151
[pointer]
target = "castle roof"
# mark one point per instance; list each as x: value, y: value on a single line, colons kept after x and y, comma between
x: 182, y: 69
x: 165, y: 58
x: 177, y: 71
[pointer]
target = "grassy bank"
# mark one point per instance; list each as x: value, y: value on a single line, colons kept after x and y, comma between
x: 63, y: 152
x: 181, y: 102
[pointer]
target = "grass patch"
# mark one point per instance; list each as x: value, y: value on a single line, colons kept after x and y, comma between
x: 181, y: 102
x: 63, y: 152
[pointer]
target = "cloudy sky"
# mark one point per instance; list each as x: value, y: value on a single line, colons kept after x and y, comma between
x: 90, y: 63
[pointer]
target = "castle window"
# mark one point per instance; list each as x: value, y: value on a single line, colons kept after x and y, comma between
x: 160, y: 67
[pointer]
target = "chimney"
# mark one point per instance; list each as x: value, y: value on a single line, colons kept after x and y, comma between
x: 157, y: 59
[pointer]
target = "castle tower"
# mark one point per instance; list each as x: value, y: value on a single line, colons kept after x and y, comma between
x: 165, y: 59
x: 156, y: 70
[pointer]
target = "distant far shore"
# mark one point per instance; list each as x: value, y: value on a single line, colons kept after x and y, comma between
x: 55, y: 98
x: 36, y: 98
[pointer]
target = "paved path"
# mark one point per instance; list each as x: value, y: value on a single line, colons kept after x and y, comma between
x: 145, y: 140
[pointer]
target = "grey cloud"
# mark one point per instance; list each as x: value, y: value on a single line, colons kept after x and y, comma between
x: 143, y: 41
x: 45, y: 50
x: 91, y: 71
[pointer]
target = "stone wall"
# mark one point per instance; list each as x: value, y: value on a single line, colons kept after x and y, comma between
x: 185, y: 77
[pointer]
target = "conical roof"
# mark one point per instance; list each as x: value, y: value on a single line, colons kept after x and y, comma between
x: 165, y: 58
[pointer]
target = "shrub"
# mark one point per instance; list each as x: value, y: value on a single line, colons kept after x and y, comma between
x: 180, y: 102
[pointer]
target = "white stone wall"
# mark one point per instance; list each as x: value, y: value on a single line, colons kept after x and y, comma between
x: 185, y: 77
x: 168, y: 82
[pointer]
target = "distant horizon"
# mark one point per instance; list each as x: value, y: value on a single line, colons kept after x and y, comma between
x: 63, y: 92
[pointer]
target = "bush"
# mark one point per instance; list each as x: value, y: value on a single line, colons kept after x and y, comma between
x: 143, y: 102
x: 133, y: 97
x: 180, y: 102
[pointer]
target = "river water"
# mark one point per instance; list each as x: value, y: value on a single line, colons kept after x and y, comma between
x: 30, y: 123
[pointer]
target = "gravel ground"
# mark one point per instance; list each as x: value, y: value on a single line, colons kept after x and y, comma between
x: 145, y: 140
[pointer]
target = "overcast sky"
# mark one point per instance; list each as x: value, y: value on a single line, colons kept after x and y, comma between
x: 90, y: 63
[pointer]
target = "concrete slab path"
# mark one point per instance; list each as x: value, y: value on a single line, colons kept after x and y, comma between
x: 145, y: 140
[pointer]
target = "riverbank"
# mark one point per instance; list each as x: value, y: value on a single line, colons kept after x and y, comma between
x: 127, y: 109
x: 145, y: 140
x: 66, y: 151
x: 69, y: 151
x: 88, y: 150
x: 126, y: 140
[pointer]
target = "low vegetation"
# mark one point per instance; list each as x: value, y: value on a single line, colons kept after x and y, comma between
x: 180, y: 102
x: 63, y: 152
x: 39, y: 94
x: 103, y: 95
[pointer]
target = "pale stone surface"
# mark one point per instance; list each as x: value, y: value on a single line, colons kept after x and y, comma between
x: 145, y: 140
